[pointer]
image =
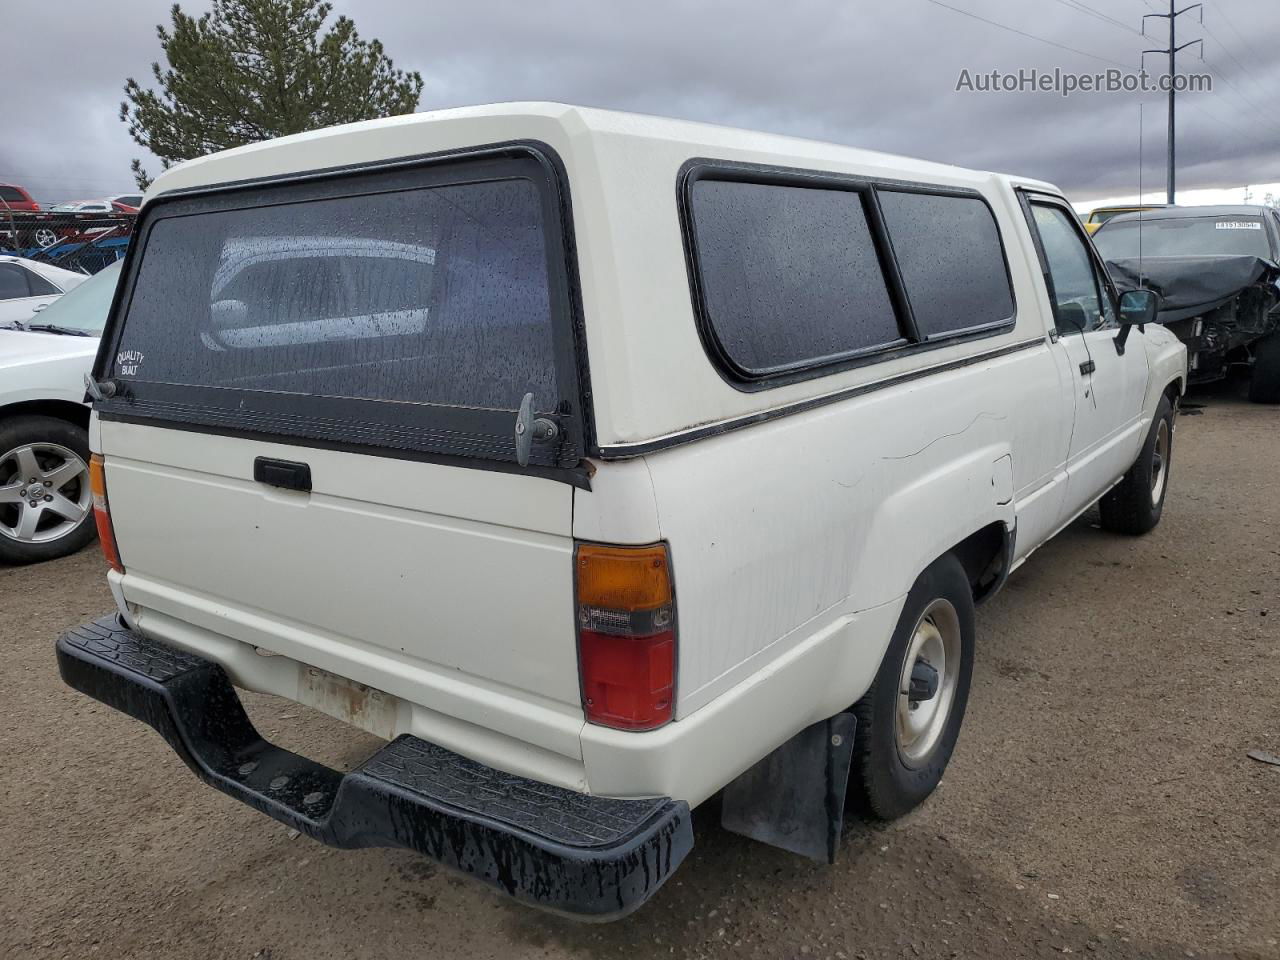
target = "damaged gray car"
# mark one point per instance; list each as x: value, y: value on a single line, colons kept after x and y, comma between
x: 1217, y: 270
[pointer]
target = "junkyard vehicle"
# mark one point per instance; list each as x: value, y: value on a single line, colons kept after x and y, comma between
x: 1217, y: 270
x: 14, y: 197
x: 1100, y: 215
x: 601, y: 464
x: 45, y: 501
x: 28, y: 286
x: 125, y: 202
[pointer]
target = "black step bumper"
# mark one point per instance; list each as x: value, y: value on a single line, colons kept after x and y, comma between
x: 591, y: 857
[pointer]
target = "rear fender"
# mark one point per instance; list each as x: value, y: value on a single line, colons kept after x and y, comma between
x: 928, y: 516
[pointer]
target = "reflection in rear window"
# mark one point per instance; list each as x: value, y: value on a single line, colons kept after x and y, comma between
x: 436, y: 295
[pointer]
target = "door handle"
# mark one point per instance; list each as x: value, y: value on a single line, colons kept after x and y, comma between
x: 289, y: 474
x: 1087, y: 367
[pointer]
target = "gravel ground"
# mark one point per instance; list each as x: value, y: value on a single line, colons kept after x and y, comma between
x: 1100, y: 799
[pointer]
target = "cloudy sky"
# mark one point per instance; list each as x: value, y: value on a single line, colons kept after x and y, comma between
x: 879, y: 75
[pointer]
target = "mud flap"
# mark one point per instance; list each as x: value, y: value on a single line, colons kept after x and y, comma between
x: 794, y: 797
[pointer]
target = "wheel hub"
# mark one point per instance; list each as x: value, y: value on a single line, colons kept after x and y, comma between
x: 924, y: 682
x: 927, y: 684
x: 44, y: 492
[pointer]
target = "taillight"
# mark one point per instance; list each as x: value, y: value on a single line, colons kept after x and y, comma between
x: 626, y: 635
x: 102, y: 515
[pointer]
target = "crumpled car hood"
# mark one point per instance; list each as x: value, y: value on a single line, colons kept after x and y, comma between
x: 1189, y: 286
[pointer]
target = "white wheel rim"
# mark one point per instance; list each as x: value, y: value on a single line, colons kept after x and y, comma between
x: 44, y: 492
x: 1160, y: 462
x: 936, y: 641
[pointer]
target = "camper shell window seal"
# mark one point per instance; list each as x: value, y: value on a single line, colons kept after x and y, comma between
x: 462, y: 436
x: 910, y: 342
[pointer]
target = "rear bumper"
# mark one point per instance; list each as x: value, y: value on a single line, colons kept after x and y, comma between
x: 592, y: 857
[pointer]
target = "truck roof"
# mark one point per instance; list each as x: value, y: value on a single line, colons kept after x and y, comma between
x: 570, y: 129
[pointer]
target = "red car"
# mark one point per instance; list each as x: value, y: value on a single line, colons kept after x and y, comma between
x: 125, y: 202
x: 15, y: 198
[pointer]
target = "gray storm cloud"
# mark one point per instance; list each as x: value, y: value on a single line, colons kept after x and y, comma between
x: 880, y: 76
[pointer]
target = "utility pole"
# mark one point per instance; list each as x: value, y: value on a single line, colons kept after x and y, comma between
x: 1172, y: 50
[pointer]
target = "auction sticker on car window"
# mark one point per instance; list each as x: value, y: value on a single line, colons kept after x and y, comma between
x: 1238, y: 225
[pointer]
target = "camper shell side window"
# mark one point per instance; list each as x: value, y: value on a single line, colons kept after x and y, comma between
x: 797, y: 274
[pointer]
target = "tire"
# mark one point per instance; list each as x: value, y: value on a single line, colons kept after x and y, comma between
x: 1133, y: 507
x: 55, y: 454
x: 894, y: 769
x: 1264, y: 386
x: 45, y: 237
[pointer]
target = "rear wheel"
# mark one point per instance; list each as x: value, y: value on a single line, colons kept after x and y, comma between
x: 1135, y: 504
x: 1265, y: 385
x: 909, y: 721
x: 46, y: 505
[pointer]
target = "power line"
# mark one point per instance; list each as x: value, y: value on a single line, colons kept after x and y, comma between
x: 1217, y: 72
x: 1247, y: 45
x: 1244, y: 71
x: 1230, y: 124
x: 1029, y: 36
x: 1084, y: 8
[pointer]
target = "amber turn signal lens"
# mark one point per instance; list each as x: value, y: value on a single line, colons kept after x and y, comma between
x: 623, y: 578
x: 102, y: 515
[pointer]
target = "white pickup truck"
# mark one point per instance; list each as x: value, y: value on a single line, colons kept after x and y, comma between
x: 602, y: 464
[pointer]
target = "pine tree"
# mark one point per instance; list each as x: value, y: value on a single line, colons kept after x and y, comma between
x: 250, y: 70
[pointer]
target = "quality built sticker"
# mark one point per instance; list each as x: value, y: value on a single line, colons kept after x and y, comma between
x: 127, y: 362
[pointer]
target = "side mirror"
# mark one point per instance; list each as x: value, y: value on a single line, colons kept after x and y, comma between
x: 1138, y: 307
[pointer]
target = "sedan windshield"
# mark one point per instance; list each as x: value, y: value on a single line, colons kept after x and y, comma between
x: 85, y: 307
x: 1183, y: 237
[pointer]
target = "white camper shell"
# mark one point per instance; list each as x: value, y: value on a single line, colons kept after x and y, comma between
x: 599, y: 463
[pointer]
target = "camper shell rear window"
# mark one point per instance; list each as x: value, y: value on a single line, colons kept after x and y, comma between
x: 407, y: 308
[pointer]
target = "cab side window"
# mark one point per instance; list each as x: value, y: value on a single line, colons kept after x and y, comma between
x: 39, y: 286
x: 1074, y: 282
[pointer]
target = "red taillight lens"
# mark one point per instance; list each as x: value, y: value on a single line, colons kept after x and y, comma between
x: 626, y: 635
x: 102, y: 515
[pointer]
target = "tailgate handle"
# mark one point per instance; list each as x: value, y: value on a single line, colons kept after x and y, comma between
x: 289, y: 474
x: 530, y: 428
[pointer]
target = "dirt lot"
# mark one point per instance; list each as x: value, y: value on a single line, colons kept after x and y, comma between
x: 1100, y: 800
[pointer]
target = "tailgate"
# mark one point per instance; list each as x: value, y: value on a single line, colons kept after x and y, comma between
x: 384, y: 561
